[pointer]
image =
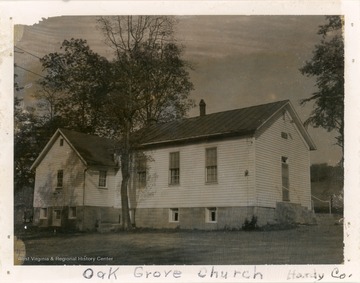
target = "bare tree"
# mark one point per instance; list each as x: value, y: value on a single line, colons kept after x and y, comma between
x: 48, y: 100
x: 150, y: 83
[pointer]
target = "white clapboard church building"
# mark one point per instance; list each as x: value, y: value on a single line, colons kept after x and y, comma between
x: 212, y: 171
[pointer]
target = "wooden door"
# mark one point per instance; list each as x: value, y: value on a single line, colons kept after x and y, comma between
x: 56, y: 217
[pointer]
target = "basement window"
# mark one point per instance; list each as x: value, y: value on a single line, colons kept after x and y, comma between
x: 72, y: 212
x: 211, y: 215
x: 174, y: 215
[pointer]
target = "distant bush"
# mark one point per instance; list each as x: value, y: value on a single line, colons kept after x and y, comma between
x: 250, y: 225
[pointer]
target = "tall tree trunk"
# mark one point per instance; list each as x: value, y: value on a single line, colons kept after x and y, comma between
x: 126, y: 222
x: 125, y: 171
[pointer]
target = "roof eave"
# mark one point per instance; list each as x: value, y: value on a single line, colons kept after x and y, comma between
x: 297, y: 121
x: 73, y: 148
x: 302, y: 129
x: 200, y: 138
x: 50, y: 144
x: 45, y: 150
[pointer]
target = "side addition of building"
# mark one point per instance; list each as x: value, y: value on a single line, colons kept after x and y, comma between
x: 212, y: 171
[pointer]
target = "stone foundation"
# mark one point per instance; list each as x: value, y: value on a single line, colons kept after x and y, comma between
x: 87, y: 218
x: 195, y: 218
x: 90, y: 218
x: 93, y: 216
x: 292, y: 213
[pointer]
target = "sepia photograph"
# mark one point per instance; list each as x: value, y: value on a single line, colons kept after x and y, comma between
x: 179, y: 140
x: 160, y: 141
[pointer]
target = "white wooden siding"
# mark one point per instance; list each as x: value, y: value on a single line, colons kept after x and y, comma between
x: 233, y: 188
x: 75, y: 172
x: 97, y: 196
x: 269, y: 148
x: 59, y: 158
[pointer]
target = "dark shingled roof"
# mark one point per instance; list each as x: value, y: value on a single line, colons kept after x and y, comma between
x: 93, y: 149
x: 99, y: 151
x: 244, y: 121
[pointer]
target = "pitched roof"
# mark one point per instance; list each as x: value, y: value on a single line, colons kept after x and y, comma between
x: 233, y: 122
x: 238, y: 122
x: 92, y: 150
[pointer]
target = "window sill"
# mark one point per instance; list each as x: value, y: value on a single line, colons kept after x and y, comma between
x: 211, y: 183
x: 102, y: 188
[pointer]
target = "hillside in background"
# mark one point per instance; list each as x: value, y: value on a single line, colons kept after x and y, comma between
x: 327, y: 185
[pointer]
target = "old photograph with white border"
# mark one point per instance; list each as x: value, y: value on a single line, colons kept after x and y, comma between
x: 174, y: 141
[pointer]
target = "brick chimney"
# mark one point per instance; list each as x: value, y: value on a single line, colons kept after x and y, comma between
x: 202, y: 106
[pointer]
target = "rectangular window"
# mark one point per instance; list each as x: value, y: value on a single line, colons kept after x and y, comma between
x: 72, y: 212
x: 211, y: 165
x: 285, y: 179
x: 102, y: 179
x: 174, y: 215
x: 60, y: 176
x: 141, y: 171
x: 43, y: 213
x: 61, y: 142
x: 174, y: 168
x: 57, y: 214
x: 211, y: 215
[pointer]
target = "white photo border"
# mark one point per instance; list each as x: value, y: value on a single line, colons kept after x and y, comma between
x: 30, y: 12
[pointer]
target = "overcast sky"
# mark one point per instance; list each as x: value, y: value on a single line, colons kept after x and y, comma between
x: 238, y: 61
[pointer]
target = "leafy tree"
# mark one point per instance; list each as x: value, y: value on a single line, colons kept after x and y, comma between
x: 327, y: 184
x: 327, y: 66
x: 25, y: 144
x: 75, y: 85
x: 147, y: 80
x: 150, y: 83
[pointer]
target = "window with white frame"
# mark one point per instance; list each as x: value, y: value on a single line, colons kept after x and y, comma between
x: 141, y: 171
x: 174, y: 215
x: 72, y: 212
x: 60, y: 179
x: 211, y: 165
x: 174, y: 168
x: 102, y: 178
x: 57, y: 214
x: 211, y: 215
x: 43, y: 213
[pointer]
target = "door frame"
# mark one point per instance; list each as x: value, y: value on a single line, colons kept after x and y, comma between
x: 56, y: 217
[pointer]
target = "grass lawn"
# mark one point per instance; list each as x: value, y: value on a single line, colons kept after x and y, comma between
x: 320, y: 244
